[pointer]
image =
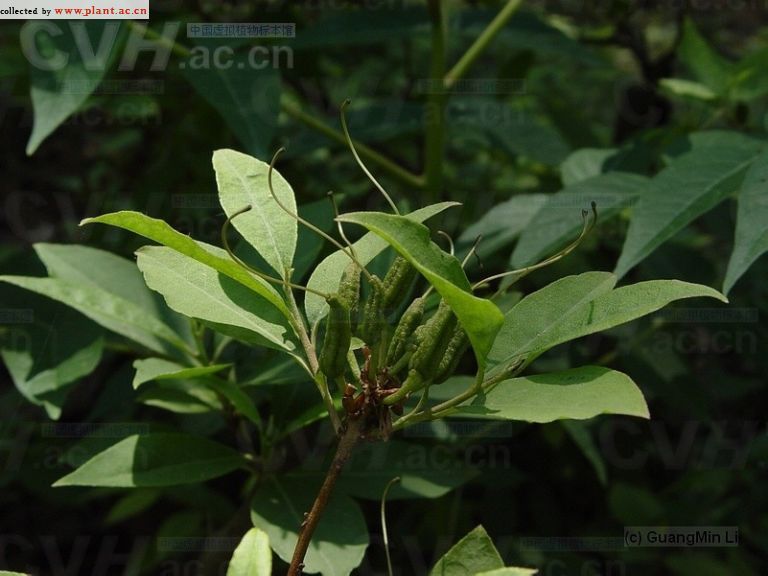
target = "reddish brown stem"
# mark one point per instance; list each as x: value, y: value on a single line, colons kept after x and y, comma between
x: 347, y: 442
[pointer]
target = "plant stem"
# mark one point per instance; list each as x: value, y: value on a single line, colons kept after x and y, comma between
x: 435, y: 129
x: 309, y: 350
x: 347, y: 442
x: 404, y: 176
x: 480, y: 44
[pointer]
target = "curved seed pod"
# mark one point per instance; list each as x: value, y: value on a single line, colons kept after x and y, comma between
x: 414, y: 382
x: 372, y: 321
x: 338, y: 335
x: 432, y: 341
x: 397, y: 281
x: 409, y: 323
x: 455, y: 349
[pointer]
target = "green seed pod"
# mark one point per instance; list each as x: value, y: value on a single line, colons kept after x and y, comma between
x: 338, y: 335
x: 349, y: 288
x: 372, y: 322
x: 432, y: 341
x: 409, y: 322
x: 457, y: 345
x: 397, y: 281
x: 413, y: 383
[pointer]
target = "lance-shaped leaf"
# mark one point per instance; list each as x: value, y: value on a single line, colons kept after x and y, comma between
x: 194, y: 289
x: 252, y: 557
x: 623, y: 305
x: 161, y: 459
x: 703, y: 60
x: 46, y: 346
x: 577, y: 306
x: 528, y: 324
x: 751, y: 239
x: 74, y: 59
x: 480, y: 317
x: 247, y: 99
x: 691, y: 185
x: 216, y: 258
x: 110, y: 311
x: 149, y: 369
x: 578, y: 394
x: 110, y: 272
x: 242, y: 181
x: 559, y: 221
x: 327, y: 274
x: 502, y: 223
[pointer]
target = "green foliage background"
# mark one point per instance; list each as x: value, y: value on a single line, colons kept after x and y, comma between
x: 658, y: 113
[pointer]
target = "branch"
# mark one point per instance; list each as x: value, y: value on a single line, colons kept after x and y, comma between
x: 481, y: 43
x: 347, y: 443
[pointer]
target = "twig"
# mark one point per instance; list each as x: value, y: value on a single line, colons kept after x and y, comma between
x: 347, y: 442
x: 481, y: 43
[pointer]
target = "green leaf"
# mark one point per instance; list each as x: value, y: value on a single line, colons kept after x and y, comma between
x: 242, y: 181
x: 216, y: 258
x: 585, y: 163
x: 107, y: 310
x: 503, y: 223
x: 339, y: 542
x: 109, y: 272
x: 327, y: 275
x: 705, y: 63
x: 687, y: 89
x: 132, y: 504
x: 509, y: 571
x: 149, y: 369
x: 532, y: 137
x: 625, y: 304
x: 247, y: 99
x: 751, y: 240
x: 239, y: 399
x: 181, y: 397
x: 196, y: 290
x: 528, y: 325
x: 692, y: 185
x: 6, y: 573
x: 589, y: 311
x: 49, y: 351
x: 96, y: 268
x: 156, y: 460
x: 580, y: 434
x: 480, y: 317
x: 750, y: 78
x: 559, y: 221
x: 472, y: 554
x: 69, y: 74
x: 579, y: 393
x: 252, y: 557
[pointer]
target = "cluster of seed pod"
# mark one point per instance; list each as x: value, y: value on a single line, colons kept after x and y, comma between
x: 427, y: 350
